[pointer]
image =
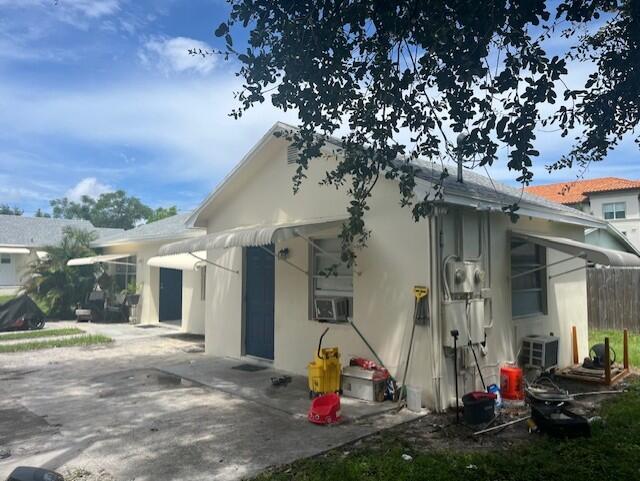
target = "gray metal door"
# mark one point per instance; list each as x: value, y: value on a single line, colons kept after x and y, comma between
x: 259, y: 299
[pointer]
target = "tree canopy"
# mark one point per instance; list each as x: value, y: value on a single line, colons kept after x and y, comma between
x: 406, y: 77
x: 6, y: 209
x: 111, y: 209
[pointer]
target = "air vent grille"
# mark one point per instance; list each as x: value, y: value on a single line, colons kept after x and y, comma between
x: 292, y: 154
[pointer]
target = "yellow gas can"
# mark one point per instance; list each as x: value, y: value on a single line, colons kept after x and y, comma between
x: 325, y: 370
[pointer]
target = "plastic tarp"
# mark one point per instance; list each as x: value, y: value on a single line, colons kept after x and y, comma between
x: 184, y: 262
x: 592, y: 253
x: 251, y: 236
x: 86, y: 261
x: 14, y: 311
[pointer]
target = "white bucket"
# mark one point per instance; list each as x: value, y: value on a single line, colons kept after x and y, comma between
x: 414, y: 399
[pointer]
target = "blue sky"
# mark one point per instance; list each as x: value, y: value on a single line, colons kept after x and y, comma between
x: 101, y: 94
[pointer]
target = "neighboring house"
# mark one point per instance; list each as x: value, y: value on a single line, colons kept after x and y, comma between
x: 171, y: 289
x: 485, y: 274
x: 610, y: 198
x: 24, y: 239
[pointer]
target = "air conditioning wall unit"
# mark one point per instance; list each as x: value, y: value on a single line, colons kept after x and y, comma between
x: 540, y: 352
x: 331, y: 308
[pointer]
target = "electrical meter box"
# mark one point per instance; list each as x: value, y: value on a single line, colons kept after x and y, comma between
x: 469, y: 323
x: 465, y: 277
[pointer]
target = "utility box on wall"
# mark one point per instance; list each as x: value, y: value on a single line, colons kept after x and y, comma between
x: 468, y: 321
x: 465, y: 277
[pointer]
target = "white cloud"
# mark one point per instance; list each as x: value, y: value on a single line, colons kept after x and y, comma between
x: 172, y: 55
x: 89, y: 186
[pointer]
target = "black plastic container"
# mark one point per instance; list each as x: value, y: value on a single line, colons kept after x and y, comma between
x: 559, y: 422
x: 479, y: 407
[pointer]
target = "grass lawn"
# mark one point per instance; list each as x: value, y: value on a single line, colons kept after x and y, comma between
x: 66, y: 331
x: 615, y: 341
x: 85, y: 340
x: 612, y: 453
x: 4, y: 299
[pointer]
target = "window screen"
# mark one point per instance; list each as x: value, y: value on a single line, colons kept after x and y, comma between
x: 339, y: 282
x: 528, y: 285
x: 614, y: 210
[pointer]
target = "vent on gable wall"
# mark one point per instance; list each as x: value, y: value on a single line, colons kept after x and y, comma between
x: 292, y: 154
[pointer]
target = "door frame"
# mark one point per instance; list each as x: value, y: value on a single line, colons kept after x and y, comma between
x: 243, y: 311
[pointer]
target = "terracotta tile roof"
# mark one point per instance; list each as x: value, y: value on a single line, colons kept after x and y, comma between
x: 574, y: 192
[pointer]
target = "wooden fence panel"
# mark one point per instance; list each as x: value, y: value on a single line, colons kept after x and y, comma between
x: 613, y: 298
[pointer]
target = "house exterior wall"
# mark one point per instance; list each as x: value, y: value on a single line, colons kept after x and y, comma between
x: 12, y: 274
x: 148, y: 278
x: 631, y: 224
x: 399, y: 256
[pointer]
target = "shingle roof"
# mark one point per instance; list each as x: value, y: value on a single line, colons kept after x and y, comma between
x: 36, y: 232
x: 170, y: 228
x: 577, y: 191
x: 482, y: 189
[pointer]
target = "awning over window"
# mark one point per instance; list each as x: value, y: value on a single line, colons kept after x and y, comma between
x: 14, y: 250
x: 592, y: 253
x: 257, y: 235
x: 87, y: 261
x: 184, y: 262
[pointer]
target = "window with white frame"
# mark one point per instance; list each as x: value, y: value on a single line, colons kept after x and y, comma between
x: 614, y: 210
x: 330, y: 277
x: 528, y: 279
x: 125, y: 273
x: 203, y: 283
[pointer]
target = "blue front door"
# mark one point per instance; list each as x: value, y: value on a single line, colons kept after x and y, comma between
x: 259, y: 301
x: 170, y: 308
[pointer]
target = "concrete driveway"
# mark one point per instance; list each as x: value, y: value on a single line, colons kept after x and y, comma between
x: 152, y: 406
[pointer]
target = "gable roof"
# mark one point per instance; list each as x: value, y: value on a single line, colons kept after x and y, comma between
x: 575, y: 192
x: 165, y: 229
x: 33, y: 232
x: 476, y: 190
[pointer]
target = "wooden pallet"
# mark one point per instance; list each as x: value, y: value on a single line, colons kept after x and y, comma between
x: 608, y: 375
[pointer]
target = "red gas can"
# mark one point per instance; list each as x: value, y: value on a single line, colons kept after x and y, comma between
x: 511, y: 386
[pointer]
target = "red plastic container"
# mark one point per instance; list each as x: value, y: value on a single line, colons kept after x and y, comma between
x: 325, y: 409
x: 511, y: 385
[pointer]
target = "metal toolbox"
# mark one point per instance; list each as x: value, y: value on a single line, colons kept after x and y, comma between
x: 362, y: 383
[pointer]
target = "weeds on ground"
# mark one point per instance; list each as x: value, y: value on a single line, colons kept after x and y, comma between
x: 610, y: 454
x: 615, y: 341
x: 86, y: 340
x: 65, y: 331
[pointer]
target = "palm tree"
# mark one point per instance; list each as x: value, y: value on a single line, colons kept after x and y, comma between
x: 58, y: 286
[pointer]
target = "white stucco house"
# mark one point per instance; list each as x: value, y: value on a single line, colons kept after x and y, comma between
x: 492, y: 280
x: 172, y: 289
x: 24, y: 239
x: 612, y: 199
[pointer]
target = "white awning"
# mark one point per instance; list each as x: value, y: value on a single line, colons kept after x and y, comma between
x: 14, y: 250
x: 184, y: 262
x: 248, y: 236
x: 592, y: 253
x: 87, y: 261
x: 42, y: 255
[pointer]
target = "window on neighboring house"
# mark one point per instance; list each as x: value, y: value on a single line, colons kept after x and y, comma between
x: 614, y: 210
x: 5, y: 259
x: 339, y: 282
x: 125, y: 275
x: 528, y: 279
x: 203, y: 283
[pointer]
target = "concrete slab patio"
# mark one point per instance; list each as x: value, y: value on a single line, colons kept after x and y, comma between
x: 154, y: 408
